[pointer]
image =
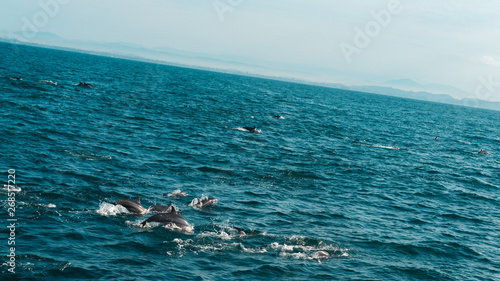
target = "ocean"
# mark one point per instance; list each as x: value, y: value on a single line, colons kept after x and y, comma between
x: 343, y: 186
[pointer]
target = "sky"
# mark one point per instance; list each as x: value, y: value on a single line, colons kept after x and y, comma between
x: 452, y: 42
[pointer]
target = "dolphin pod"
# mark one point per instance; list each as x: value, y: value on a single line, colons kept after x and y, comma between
x: 166, y: 214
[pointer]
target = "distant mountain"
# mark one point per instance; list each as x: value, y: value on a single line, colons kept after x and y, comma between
x: 124, y: 50
x: 405, y: 88
x: 411, y: 85
x: 425, y: 96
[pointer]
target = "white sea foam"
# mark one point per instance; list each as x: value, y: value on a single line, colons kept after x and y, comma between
x: 219, y: 242
x: 48, y: 82
x: 220, y: 235
x: 386, y: 147
x: 307, y: 252
x: 177, y: 193
x: 173, y: 227
x: 107, y: 209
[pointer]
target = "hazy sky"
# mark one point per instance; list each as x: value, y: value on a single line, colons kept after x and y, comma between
x: 362, y: 41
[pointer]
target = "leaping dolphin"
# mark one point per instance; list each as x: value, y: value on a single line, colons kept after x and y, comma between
x: 132, y: 206
x: 168, y: 218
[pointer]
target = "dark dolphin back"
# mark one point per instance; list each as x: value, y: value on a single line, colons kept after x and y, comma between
x: 132, y: 206
x: 161, y: 209
x: 165, y: 218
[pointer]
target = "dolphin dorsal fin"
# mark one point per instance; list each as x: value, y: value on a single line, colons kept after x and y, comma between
x: 170, y: 204
x: 173, y: 210
x: 138, y: 200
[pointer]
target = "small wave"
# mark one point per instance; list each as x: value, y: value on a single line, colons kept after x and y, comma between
x: 452, y: 216
x: 275, y: 248
x: 386, y: 147
x: 216, y: 171
x: 48, y: 82
x: 475, y: 195
x: 89, y: 157
x: 190, y: 245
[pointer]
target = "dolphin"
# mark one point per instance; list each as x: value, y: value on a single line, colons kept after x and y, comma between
x: 86, y: 85
x: 240, y: 231
x: 161, y: 209
x: 251, y: 129
x: 132, y: 206
x: 168, y: 218
x: 322, y: 254
x: 483, y: 152
x: 197, y: 202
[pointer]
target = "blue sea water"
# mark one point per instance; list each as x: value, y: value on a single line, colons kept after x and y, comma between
x: 346, y: 186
